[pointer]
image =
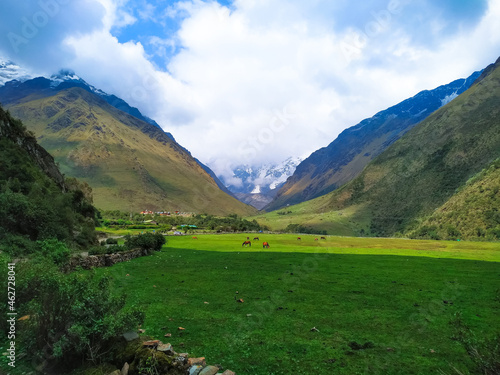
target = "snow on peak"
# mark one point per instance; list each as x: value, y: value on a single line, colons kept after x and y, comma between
x: 263, y: 178
x: 448, y: 98
x: 256, y: 190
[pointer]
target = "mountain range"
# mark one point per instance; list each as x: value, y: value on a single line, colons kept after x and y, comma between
x: 343, y: 159
x: 439, y: 180
x: 257, y: 186
x: 128, y: 160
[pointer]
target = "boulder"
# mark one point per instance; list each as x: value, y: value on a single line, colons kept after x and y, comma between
x: 151, y: 343
x: 196, y: 361
x: 125, y: 369
x: 209, y: 370
x: 195, y: 370
x: 165, y: 348
x: 130, y: 336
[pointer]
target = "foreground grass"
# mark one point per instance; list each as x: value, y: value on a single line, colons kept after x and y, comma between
x: 349, y: 289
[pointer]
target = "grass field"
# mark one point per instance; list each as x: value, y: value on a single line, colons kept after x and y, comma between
x: 396, y: 298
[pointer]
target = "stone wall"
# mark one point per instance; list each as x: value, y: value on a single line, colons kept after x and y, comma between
x: 104, y: 260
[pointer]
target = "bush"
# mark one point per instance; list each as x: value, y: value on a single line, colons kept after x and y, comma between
x: 73, y: 318
x: 111, y: 241
x: 147, y: 241
x: 54, y: 250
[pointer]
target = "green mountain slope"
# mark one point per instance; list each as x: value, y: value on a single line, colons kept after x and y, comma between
x: 423, y: 169
x: 344, y: 159
x: 130, y: 164
x: 472, y: 213
x: 36, y: 203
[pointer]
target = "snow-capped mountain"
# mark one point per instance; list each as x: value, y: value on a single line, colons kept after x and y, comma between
x: 259, y: 184
x: 13, y: 75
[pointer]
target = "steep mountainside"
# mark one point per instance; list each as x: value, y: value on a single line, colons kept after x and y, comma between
x: 331, y: 167
x: 36, y: 203
x: 421, y: 172
x: 472, y: 213
x: 131, y: 164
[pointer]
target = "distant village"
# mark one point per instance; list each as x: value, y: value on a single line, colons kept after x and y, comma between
x: 166, y: 213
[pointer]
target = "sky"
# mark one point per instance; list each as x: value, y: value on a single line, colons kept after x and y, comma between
x: 247, y: 82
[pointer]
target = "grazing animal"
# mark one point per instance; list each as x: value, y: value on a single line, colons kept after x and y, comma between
x: 298, y: 238
x: 248, y: 238
x: 246, y: 243
x: 315, y: 239
x: 323, y: 238
x: 265, y: 245
x: 256, y: 238
x: 195, y: 238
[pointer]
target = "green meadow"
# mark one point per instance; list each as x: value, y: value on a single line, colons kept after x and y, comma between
x: 336, y: 306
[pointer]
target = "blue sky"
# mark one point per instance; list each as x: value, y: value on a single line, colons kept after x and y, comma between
x: 254, y: 81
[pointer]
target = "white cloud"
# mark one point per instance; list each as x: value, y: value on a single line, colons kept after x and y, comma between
x: 272, y: 79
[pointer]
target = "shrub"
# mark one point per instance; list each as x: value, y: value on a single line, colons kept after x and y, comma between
x: 73, y: 317
x: 54, y: 250
x: 147, y: 241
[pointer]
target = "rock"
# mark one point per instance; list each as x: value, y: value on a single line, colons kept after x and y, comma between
x: 140, y: 330
x: 209, y: 370
x: 125, y: 369
x: 228, y: 372
x: 185, y: 355
x: 197, y: 361
x: 195, y: 370
x: 240, y: 300
x: 165, y: 348
x: 151, y: 343
x: 168, y: 335
x: 130, y: 336
x: 181, y: 360
x: 181, y: 329
x: 116, y: 372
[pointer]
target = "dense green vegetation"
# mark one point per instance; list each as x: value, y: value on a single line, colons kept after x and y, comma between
x: 230, y: 223
x: 65, y: 320
x: 33, y: 207
x: 472, y: 213
x: 379, y: 306
x: 73, y: 319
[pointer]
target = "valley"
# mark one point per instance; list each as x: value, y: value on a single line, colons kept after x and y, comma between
x: 404, y: 299
x: 378, y: 254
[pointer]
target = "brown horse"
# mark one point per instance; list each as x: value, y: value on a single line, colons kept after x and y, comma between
x: 195, y: 238
x: 265, y: 245
x: 323, y: 238
x: 298, y: 238
x: 246, y: 243
x: 256, y: 238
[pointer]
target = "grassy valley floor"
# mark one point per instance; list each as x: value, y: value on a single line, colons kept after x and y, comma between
x: 378, y: 306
